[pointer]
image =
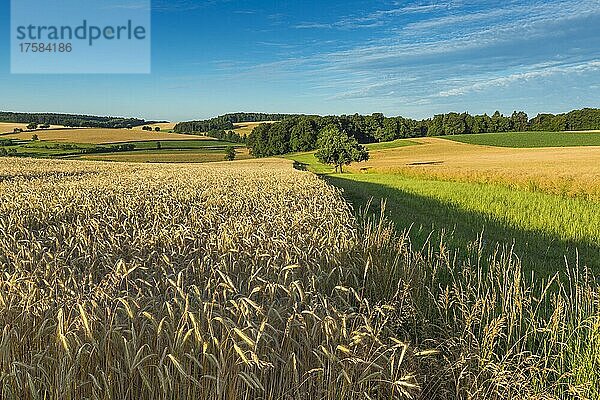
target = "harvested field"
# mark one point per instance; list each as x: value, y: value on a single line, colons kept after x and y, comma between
x: 6, y: 127
x: 164, y: 126
x: 245, y: 128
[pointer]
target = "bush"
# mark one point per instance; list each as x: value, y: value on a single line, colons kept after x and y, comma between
x: 230, y: 153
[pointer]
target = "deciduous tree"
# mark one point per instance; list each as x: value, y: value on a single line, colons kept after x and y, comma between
x: 338, y: 149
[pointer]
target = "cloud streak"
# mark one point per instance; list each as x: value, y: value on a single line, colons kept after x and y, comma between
x: 459, y: 52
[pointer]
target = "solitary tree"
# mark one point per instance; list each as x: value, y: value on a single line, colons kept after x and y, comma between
x: 338, y: 149
x: 35, y: 138
x: 158, y: 146
x: 157, y: 129
x: 230, y: 153
x: 32, y: 126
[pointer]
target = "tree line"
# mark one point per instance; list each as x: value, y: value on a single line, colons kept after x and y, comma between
x: 227, y: 136
x: 71, y: 120
x: 300, y: 132
x: 225, y: 122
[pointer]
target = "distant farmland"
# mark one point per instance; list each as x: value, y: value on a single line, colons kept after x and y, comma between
x: 164, y: 126
x: 573, y: 171
x: 9, y: 127
x: 531, y: 139
x: 245, y: 128
x: 169, y: 156
x: 100, y: 136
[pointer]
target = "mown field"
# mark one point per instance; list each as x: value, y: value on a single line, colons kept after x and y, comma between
x: 254, y: 280
x: 6, y: 127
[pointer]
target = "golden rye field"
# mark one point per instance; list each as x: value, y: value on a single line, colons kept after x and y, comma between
x: 135, y: 281
x: 569, y: 171
x: 101, y: 136
x: 250, y: 280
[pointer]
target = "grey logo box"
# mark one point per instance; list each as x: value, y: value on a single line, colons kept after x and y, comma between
x: 80, y: 36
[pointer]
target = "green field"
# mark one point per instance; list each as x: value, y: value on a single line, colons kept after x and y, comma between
x: 183, y: 144
x: 542, y: 228
x: 145, y: 151
x: 308, y: 161
x: 530, y: 139
x: 200, y: 155
x: 42, y: 149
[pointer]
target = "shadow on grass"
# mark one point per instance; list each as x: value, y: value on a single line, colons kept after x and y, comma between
x: 427, y: 218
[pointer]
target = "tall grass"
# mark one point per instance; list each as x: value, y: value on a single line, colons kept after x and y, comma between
x: 565, y: 218
x: 496, y: 333
x: 545, y: 228
x: 165, y: 282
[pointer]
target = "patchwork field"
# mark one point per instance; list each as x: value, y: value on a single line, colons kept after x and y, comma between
x: 254, y: 280
x: 101, y: 136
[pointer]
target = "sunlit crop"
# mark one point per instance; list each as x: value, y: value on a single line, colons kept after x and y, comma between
x: 254, y: 281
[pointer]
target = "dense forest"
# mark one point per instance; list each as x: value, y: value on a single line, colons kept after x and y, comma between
x: 300, y: 132
x: 227, y: 136
x: 225, y: 122
x: 71, y: 120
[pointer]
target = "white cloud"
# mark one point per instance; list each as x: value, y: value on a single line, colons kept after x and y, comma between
x: 541, y: 71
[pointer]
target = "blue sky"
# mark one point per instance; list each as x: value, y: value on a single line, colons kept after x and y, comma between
x: 411, y: 58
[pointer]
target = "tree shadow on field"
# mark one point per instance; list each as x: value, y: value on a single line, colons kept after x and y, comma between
x: 430, y: 219
x: 300, y: 166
